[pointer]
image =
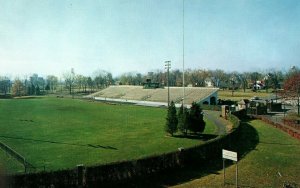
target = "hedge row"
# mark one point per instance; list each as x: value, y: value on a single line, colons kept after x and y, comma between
x: 96, y: 176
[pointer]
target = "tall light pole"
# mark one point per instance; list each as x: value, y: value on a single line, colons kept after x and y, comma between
x: 168, y: 66
x: 183, y: 71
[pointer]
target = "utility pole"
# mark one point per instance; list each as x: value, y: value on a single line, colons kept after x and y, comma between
x: 168, y: 66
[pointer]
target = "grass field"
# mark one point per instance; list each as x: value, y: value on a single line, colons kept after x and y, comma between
x: 271, y: 157
x: 61, y: 133
x: 240, y: 94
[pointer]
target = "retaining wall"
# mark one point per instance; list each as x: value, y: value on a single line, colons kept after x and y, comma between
x: 291, y: 131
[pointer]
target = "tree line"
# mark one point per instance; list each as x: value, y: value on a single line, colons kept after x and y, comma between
x: 72, y: 82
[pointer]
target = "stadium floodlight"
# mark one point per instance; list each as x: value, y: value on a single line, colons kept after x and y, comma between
x: 183, y: 70
x: 168, y: 66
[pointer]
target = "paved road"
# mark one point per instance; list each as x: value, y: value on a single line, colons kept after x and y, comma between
x: 214, y: 116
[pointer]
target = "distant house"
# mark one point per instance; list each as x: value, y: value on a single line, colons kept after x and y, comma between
x: 258, y: 85
x: 208, y: 82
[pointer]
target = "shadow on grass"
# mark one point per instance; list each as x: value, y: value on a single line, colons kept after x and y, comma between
x: 247, y: 141
x: 61, y: 143
x: 203, y: 137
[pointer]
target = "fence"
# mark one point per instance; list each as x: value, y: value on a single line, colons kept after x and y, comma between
x: 17, y: 156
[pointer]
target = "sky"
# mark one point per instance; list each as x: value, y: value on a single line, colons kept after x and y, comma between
x: 119, y: 36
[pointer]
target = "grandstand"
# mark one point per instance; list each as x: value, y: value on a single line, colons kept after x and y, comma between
x: 137, y: 93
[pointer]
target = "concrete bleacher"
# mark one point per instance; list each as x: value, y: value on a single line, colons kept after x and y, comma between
x: 192, y: 94
x: 199, y: 93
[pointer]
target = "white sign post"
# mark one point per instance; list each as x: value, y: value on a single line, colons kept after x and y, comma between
x: 230, y: 155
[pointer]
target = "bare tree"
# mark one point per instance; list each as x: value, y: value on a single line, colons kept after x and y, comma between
x: 52, y: 82
x: 69, y: 80
x: 18, y: 88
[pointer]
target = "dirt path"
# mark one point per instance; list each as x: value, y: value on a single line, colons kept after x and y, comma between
x: 214, y: 116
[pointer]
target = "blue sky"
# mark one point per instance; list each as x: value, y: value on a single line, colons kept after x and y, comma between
x: 51, y: 37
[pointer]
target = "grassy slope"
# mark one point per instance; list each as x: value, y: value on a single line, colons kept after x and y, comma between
x: 240, y: 94
x: 273, y: 152
x: 61, y: 133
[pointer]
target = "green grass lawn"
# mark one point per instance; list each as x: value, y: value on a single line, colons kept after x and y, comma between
x: 271, y: 157
x: 240, y: 94
x: 61, y: 133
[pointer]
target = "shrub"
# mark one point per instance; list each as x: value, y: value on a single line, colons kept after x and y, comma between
x: 195, y: 119
x: 172, y: 121
x: 183, y: 114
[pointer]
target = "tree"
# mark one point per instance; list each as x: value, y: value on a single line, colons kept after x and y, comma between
x: 79, y: 80
x: 172, y: 121
x: 5, y: 85
x: 52, y: 82
x: 182, y: 119
x: 47, y: 88
x: 84, y: 83
x: 102, y: 78
x: 196, y: 122
x: 292, y: 88
x: 234, y: 81
x: 18, y: 88
x: 69, y: 80
x: 197, y: 77
x: 218, y: 77
x: 90, y: 83
x: 243, y: 80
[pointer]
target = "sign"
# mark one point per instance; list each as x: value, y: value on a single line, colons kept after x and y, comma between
x: 229, y: 155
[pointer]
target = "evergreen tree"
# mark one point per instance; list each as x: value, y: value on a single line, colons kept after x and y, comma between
x: 182, y: 119
x: 37, y: 90
x: 172, y: 121
x: 196, y: 122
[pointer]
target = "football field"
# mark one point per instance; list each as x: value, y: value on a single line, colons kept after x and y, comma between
x: 58, y: 133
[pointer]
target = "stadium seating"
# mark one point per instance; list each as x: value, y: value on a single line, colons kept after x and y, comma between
x: 156, y: 95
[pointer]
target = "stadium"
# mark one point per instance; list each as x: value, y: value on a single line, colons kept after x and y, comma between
x: 69, y: 132
x: 158, y: 96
